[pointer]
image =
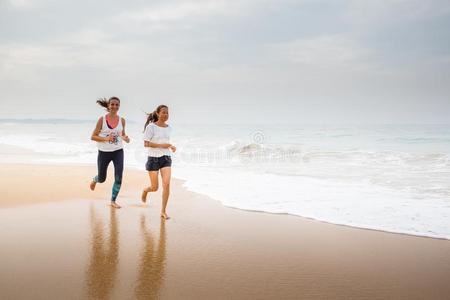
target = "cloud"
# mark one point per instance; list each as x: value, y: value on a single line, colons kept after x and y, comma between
x: 172, y: 11
x: 177, y: 11
x: 380, y: 13
x: 88, y: 50
x: 324, y: 51
x: 21, y: 4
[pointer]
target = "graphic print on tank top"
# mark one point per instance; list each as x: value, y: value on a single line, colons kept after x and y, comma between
x: 115, y: 138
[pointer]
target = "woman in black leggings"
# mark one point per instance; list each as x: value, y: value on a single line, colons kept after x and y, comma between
x: 109, y: 133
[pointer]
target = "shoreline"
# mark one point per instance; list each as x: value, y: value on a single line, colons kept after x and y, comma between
x: 336, y: 224
x: 181, y: 182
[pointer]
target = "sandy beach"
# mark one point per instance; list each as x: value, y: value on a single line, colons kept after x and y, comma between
x: 59, y: 240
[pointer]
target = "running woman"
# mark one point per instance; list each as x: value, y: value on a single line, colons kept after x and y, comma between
x: 157, y: 141
x: 109, y: 133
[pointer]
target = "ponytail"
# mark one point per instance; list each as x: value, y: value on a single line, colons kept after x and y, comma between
x: 153, y: 116
x: 103, y: 102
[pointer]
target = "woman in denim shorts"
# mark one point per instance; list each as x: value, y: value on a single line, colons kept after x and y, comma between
x: 157, y: 142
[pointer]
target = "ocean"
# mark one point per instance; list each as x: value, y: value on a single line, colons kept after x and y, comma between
x: 393, y: 178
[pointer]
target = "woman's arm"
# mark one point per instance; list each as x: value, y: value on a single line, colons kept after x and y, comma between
x: 155, y: 145
x: 124, y: 135
x: 95, y: 134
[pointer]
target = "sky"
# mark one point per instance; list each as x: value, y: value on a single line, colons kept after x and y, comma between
x: 246, y: 61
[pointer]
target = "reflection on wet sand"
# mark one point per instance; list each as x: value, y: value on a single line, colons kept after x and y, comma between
x: 102, y: 268
x: 152, y: 263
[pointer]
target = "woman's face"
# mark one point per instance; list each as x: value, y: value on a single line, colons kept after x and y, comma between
x: 163, y: 114
x: 113, y: 105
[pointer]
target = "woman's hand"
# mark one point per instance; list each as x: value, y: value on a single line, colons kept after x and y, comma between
x: 126, y: 138
x: 173, y: 148
x: 108, y: 138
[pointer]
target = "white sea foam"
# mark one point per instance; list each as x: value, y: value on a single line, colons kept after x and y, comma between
x: 361, y: 204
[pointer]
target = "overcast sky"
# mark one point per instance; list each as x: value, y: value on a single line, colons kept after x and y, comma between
x: 310, y: 61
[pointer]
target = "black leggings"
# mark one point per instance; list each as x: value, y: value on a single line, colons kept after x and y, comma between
x: 103, y: 160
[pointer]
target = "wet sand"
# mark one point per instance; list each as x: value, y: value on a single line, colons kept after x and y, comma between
x: 59, y: 240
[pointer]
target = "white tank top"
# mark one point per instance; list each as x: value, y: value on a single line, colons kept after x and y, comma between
x: 114, y: 145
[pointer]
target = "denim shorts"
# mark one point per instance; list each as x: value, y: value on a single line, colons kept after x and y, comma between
x: 156, y: 163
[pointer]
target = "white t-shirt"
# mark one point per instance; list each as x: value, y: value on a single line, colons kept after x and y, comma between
x: 160, y: 135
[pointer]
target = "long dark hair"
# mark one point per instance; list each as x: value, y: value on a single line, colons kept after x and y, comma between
x: 153, y: 117
x: 103, y: 102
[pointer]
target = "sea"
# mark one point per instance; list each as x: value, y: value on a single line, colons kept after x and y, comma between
x: 387, y: 177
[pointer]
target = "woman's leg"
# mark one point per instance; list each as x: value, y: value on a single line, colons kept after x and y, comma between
x: 165, y: 174
x: 103, y: 160
x: 153, y: 185
x: 118, y: 172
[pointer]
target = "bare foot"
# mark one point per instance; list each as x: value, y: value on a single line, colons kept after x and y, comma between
x: 92, y: 185
x: 165, y: 216
x: 144, y: 196
x: 115, y: 205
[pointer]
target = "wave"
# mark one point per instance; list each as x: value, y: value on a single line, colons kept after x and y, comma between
x: 45, y: 121
x: 299, y: 154
x: 47, y: 145
x: 417, y: 140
